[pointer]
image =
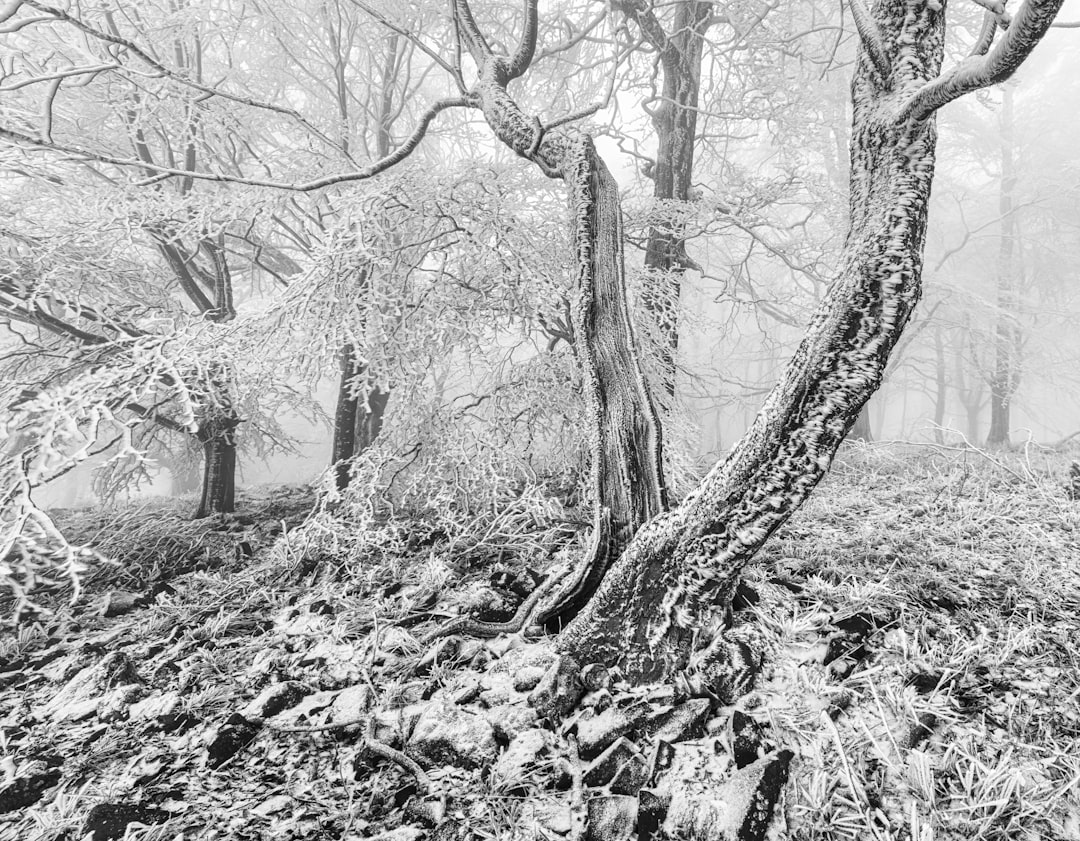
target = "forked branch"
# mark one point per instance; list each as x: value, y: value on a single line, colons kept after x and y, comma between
x: 1025, y: 30
x: 523, y: 55
x: 871, y: 39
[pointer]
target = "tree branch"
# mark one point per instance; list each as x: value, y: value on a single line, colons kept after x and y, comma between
x: 398, y: 155
x: 870, y: 37
x: 644, y: 16
x: 1025, y: 31
x: 413, y: 39
x: 470, y: 33
x: 986, y: 34
x: 131, y: 46
x: 523, y: 55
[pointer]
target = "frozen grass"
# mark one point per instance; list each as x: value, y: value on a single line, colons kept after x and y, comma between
x: 964, y: 721
x: 961, y: 721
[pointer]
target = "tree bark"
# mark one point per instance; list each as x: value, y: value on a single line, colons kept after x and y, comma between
x: 357, y: 422
x: 358, y: 418
x: 681, y: 567
x: 626, y: 481
x: 218, y: 438
x: 1006, y: 375
x: 675, y: 122
x: 941, y: 382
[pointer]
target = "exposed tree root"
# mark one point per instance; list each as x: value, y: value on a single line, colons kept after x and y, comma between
x: 372, y: 744
x: 521, y: 619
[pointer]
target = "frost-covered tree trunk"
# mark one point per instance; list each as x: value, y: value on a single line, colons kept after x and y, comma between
x: 685, y: 564
x: 662, y: 594
x: 218, y: 438
x: 358, y: 418
x: 1006, y: 374
x: 625, y: 440
x: 675, y: 122
x: 361, y: 405
x: 941, y: 383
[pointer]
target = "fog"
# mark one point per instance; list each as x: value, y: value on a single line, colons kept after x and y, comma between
x: 766, y: 226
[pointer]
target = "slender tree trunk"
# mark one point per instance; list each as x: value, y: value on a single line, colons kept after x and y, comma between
x: 359, y: 415
x: 1005, y: 378
x: 941, y: 382
x: 218, y: 438
x: 625, y: 439
x: 675, y: 122
x: 682, y: 566
x: 972, y: 413
x: 361, y: 406
x: 969, y: 390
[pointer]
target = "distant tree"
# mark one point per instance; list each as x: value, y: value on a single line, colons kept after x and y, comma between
x: 654, y: 579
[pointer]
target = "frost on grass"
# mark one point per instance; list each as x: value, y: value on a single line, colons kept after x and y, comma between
x: 919, y: 619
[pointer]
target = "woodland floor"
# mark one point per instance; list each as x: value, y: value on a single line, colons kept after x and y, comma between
x: 922, y: 613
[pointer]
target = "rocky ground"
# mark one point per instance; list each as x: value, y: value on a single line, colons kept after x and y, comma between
x: 266, y: 676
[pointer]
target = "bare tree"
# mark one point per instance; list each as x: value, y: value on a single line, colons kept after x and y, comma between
x: 655, y: 581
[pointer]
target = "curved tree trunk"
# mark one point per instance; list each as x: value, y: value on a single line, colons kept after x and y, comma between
x: 625, y: 440
x: 684, y: 565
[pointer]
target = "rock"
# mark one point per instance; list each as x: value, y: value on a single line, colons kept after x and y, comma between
x: 558, y: 690
x: 686, y: 721
x: 468, y: 649
x: 652, y: 808
x: 663, y: 757
x: 224, y: 742
x: 554, y: 816
x: 449, y: 735
x: 595, y: 676
x: 80, y: 696
x: 611, y: 818
x: 156, y: 706
x: 110, y: 820
x: 393, y: 726
x: 597, y: 701
x: 463, y: 688
x: 351, y: 702
x: 769, y: 785
x: 115, y: 705
x: 496, y: 689
x: 522, y: 756
x: 26, y: 791
x: 746, y: 739
x: 739, y: 809
x: 596, y: 731
x: 508, y: 720
x: 273, y: 699
x: 427, y: 810
x: 119, y: 602
x: 622, y: 767
x: 527, y: 678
